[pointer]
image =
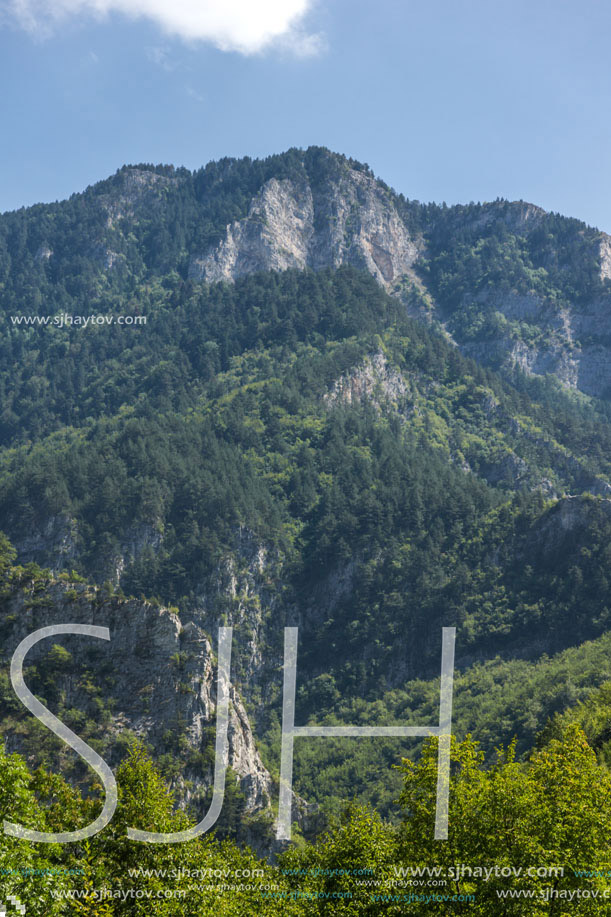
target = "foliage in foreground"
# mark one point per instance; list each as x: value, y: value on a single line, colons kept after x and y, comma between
x: 537, y: 829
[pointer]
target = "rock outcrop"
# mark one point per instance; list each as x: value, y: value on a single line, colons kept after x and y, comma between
x: 374, y: 380
x: 350, y: 221
x: 157, y: 676
x: 354, y: 219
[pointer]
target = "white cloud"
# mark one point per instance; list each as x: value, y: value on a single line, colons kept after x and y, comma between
x: 246, y: 26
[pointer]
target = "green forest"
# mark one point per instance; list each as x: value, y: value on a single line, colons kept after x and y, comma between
x: 513, y: 816
x: 293, y: 449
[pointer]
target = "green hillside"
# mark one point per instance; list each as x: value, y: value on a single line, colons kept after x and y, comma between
x: 293, y: 448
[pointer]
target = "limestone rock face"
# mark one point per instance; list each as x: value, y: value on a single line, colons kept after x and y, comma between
x: 353, y: 219
x: 349, y: 221
x: 374, y: 380
x: 54, y: 544
x: 570, y: 342
x: 605, y: 256
x: 275, y: 236
x: 158, y: 676
x: 331, y: 212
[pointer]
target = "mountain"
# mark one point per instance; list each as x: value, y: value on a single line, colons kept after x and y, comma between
x: 302, y: 400
x: 512, y: 285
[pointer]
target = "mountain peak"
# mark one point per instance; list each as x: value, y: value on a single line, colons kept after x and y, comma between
x: 512, y: 285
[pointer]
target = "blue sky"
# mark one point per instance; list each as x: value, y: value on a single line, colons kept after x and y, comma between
x: 453, y: 100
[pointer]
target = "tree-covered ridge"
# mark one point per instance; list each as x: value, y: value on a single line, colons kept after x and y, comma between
x: 54, y: 257
x: 432, y: 495
x: 499, y: 274
x: 497, y: 701
x: 271, y: 443
x: 54, y: 377
x: 511, y: 247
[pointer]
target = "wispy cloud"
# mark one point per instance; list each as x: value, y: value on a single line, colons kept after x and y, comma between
x: 245, y: 26
x: 194, y: 94
x: 161, y: 57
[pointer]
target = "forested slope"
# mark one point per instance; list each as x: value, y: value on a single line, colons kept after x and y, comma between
x: 308, y: 441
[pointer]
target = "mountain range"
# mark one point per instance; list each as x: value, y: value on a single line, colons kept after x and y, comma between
x: 331, y: 407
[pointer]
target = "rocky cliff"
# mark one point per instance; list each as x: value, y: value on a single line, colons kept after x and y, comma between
x: 351, y: 220
x: 355, y: 219
x: 512, y: 285
x: 155, y: 680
